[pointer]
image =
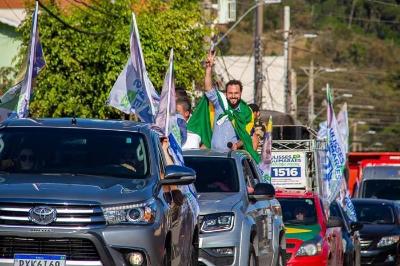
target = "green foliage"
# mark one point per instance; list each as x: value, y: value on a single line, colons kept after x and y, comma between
x: 81, y: 68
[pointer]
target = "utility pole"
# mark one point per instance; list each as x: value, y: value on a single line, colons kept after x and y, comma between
x: 293, y: 93
x: 311, y: 93
x: 258, y: 55
x: 309, y: 71
x: 287, y: 59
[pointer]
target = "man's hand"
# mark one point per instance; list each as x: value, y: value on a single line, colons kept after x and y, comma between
x: 237, y: 145
x: 209, y: 65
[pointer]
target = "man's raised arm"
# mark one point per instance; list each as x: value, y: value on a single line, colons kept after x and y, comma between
x: 208, y: 85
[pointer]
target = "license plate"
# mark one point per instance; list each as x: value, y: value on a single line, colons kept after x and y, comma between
x: 39, y: 260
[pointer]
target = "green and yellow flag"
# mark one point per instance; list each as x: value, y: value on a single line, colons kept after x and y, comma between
x: 202, y: 122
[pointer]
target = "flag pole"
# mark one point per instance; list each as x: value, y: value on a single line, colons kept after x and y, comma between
x: 143, y: 65
x: 171, y: 62
x: 22, y: 110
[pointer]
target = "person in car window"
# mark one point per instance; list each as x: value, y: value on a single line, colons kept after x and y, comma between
x: 25, y: 161
x: 300, y: 214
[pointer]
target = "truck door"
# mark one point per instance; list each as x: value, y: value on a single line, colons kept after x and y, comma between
x: 262, y: 215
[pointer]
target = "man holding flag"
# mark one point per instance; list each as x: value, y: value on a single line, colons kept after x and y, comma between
x: 223, y: 122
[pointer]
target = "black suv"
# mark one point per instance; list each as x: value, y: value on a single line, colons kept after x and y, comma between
x: 92, y: 192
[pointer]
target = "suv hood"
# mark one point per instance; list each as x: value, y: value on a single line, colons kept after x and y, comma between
x: 74, y: 189
x: 217, y: 202
x: 378, y: 230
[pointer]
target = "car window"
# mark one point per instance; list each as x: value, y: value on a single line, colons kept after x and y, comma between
x: 214, y: 174
x: 374, y: 213
x: 74, y: 151
x: 335, y: 210
x: 382, y: 189
x: 253, y: 171
x: 248, y: 173
x: 298, y: 211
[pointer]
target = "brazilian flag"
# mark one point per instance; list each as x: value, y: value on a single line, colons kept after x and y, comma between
x: 202, y: 122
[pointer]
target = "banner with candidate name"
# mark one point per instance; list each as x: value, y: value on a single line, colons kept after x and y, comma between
x: 288, y: 169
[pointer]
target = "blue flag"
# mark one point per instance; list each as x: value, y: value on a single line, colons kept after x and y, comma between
x: 335, y: 156
x: 133, y: 91
x: 166, y: 118
x: 15, y: 102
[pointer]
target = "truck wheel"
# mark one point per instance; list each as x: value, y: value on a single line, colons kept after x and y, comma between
x: 252, y: 256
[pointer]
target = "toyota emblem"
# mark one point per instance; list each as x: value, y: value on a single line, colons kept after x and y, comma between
x: 42, y: 215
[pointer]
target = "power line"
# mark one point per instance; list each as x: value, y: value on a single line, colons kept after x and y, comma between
x: 69, y: 26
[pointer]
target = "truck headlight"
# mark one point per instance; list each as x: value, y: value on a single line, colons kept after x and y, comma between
x: 387, y: 241
x: 140, y: 213
x: 310, y: 248
x: 217, y: 222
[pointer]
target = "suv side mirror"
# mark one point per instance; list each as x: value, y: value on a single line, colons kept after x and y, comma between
x: 355, y: 226
x: 178, y: 175
x: 334, y: 221
x: 263, y: 191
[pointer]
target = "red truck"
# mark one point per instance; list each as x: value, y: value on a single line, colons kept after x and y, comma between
x: 311, y: 239
x: 357, y: 161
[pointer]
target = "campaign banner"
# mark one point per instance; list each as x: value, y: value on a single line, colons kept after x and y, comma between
x: 288, y: 169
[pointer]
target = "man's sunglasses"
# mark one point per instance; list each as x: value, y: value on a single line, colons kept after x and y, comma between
x: 24, y: 158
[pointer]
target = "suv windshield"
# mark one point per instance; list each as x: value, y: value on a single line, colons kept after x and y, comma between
x: 214, y: 174
x: 298, y: 211
x: 73, y: 151
x: 374, y: 213
x: 381, y: 189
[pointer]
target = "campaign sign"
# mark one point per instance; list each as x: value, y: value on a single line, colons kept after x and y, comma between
x: 288, y: 169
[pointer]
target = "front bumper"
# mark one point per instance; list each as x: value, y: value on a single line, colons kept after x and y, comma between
x: 108, y: 245
x: 381, y: 256
x: 231, y: 239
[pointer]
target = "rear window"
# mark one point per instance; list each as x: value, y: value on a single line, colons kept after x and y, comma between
x: 298, y: 211
x: 214, y: 174
x: 381, y: 189
x: 73, y: 151
x: 374, y: 213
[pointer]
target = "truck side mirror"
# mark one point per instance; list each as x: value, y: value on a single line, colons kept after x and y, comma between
x: 263, y: 191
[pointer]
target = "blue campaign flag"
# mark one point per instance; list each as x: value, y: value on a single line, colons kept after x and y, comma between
x: 167, y: 119
x: 133, y: 91
x: 335, y: 156
x: 35, y: 64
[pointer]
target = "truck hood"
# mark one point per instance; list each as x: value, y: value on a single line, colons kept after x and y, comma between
x: 76, y: 189
x: 217, y: 202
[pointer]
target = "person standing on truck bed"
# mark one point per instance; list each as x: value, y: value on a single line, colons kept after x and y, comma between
x: 224, y: 124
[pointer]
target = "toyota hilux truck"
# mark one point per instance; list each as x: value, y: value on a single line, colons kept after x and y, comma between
x: 92, y: 192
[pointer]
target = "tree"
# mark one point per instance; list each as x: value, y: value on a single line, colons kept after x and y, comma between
x: 87, y: 45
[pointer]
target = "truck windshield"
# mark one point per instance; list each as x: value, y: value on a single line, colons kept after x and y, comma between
x: 298, y: 211
x: 374, y: 213
x: 214, y: 174
x: 381, y: 172
x: 381, y: 189
x: 73, y: 151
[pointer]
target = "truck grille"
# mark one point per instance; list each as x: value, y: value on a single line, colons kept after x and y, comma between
x: 67, y: 215
x: 73, y: 248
